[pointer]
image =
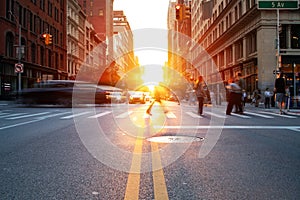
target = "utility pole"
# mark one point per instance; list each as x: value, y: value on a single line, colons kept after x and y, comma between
x: 19, y: 66
x: 294, y: 87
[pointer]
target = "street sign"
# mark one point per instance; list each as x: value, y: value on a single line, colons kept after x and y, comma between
x: 19, y: 68
x: 265, y: 4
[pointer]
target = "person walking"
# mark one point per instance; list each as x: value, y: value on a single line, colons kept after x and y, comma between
x: 267, y: 95
x: 200, y: 93
x: 157, y: 98
x: 279, y: 89
x: 233, y: 96
x: 241, y: 82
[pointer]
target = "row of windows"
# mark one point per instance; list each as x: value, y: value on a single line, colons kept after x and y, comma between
x: 46, y: 56
x: 290, y: 36
x: 242, y: 48
x: 232, y: 16
x: 42, y: 3
x: 27, y: 19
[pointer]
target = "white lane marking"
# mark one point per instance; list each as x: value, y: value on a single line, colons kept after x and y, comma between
x: 75, y: 115
x: 100, y: 114
x: 19, y: 124
x: 216, y: 115
x: 293, y: 128
x: 193, y: 115
x: 259, y: 115
x: 170, y: 115
x: 123, y: 115
x: 30, y: 115
x: 278, y: 115
x: 11, y: 115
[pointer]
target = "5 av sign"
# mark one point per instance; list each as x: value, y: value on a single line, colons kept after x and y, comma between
x: 265, y: 4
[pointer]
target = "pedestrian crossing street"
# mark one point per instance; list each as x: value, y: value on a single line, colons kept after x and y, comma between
x: 67, y: 115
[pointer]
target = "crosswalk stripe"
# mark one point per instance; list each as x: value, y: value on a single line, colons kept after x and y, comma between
x: 193, y: 115
x: 278, y: 115
x: 99, y: 115
x: 241, y: 116
x: 123, y: 115
x: 30, y: 115
x: 146, y: 116
x: 53, y: 115
x: 171, y: 115
x: 11, y: 115
x: 216, y: 115
x: 75, y: 115
x: 259, y: 115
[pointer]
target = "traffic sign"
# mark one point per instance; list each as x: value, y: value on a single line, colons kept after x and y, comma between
x: 265, y: 4
x: 19, y: 68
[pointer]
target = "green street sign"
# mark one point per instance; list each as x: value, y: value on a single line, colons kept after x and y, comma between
x: 278, y: 4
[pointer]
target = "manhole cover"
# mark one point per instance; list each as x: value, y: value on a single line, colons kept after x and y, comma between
x: 175, y: 139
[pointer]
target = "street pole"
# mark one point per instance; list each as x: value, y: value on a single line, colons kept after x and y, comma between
x: 19, y: 58
x: 294, y: 87
x: 278, y: 42
x: 19, y: 50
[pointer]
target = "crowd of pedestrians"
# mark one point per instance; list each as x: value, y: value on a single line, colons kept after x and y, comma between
x: 269, y: 98
x: 236, y: 95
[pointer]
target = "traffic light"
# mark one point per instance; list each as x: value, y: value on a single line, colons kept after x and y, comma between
x: 46, y: 36
x: 50, y: 39
x: 179, y: 8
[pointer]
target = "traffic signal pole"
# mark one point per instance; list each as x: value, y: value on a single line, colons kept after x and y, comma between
x: 19, y: 59
x: 278, y: 42
x: 19, y: 50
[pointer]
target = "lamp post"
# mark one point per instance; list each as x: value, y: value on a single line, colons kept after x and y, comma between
x: 19, y: 52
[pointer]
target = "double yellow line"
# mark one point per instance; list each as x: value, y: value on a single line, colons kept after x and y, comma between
x: 133, y: 182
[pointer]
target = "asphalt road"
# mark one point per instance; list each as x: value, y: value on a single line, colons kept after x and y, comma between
x: 118, y: 152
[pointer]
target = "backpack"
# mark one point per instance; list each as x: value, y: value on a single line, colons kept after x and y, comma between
x: 200, y: 90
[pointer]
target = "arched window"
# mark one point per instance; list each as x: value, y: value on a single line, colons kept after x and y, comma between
x: 49, y: 58
x: 9, y: 44
x: 33, y: 53
x: 23, y: 44
x: 42, y: 56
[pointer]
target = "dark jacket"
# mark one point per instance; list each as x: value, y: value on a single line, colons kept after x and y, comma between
x: 280, y: 85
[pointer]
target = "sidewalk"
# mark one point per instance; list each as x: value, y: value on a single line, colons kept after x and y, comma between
x: 294, y: 111
x: 6, y: 102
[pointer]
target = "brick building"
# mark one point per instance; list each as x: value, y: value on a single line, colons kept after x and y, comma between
x: 40, y: 61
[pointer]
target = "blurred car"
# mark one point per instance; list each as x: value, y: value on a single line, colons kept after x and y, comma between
x: 63, y: 92
x: 137, y: 97
x: 114, y: 94
x: 116, y: 97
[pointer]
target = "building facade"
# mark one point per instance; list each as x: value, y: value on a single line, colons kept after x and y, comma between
x: 239, y: 37
x: 23, y: 24
x: 124, y: 49
x: 85, y: 48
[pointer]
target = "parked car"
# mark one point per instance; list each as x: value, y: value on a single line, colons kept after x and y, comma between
x: 137, y: 97
x: 63, y: 92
